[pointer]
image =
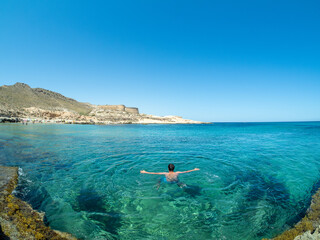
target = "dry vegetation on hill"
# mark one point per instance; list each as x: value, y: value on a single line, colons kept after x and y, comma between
x: 20, y: 101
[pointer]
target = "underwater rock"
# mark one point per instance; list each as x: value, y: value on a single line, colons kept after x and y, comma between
x: 17, y: 218
x: 91, y: 202
x: 193, y: 191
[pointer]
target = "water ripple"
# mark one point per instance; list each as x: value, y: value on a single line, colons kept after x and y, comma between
x: 255, y: 179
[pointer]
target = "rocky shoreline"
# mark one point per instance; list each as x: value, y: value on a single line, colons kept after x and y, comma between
x: 143, y: 119
x: 309, y: 226
x: 17, y: 218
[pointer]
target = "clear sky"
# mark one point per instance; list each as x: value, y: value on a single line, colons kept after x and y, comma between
x: 203, y: 60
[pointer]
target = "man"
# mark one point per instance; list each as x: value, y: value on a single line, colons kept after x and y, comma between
x: 171, y: 176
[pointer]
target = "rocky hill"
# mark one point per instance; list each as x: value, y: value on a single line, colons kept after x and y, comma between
x: 19, y: 96
x: 20, y: 102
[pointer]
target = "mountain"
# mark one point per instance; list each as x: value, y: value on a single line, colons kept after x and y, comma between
x: 20, y: 96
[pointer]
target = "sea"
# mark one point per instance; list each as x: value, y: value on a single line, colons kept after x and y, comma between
x: 255, y: 181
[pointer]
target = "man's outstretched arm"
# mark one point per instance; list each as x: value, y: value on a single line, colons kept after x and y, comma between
x: 157, y: 173
x: 196, y: 169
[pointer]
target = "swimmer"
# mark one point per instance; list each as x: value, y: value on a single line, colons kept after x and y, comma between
x: 171, y: 176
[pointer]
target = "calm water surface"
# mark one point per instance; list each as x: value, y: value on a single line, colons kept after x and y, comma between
x: 256, y: 179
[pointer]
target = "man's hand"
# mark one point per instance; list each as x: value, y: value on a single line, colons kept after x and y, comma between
x: 142, y: 171
x: 196, y: 169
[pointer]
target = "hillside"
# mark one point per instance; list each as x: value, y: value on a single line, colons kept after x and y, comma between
x: 20, y: 96
x: 20, y: 102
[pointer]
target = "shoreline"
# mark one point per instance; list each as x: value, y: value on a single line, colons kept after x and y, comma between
x: 18, y: 220
x: 164, y: 120
x: 308, y: 227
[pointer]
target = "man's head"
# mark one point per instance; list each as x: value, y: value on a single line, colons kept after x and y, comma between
x: 171, y: 167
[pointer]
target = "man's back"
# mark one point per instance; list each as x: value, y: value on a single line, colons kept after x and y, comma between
x: 172, y: 176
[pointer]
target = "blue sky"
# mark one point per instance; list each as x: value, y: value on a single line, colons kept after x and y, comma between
x: 204, y: 60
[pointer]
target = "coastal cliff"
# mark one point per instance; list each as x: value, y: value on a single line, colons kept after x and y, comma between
x: 17, y: 218
x: 20, y: 102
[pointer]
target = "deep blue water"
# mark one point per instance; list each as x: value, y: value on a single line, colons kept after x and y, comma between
x: 256, y: 179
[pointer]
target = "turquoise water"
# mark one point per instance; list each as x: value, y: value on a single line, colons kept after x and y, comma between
x: 256, y: 179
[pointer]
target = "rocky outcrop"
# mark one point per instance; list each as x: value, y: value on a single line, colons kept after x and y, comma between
x: 308, y: 227
x: 113, y: 107
x: 17, y: 218
x: 121, y: 108
x: 100, y: 115
x: 132, y: 110
x: 309, y: 236
x: 9, y: 119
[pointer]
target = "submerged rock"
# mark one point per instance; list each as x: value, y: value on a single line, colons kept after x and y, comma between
x: 17, y: 218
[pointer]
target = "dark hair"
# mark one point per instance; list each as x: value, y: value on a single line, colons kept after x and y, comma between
x: 171, y: 167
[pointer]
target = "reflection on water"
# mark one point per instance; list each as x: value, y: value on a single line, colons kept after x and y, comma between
x: 256, y: 179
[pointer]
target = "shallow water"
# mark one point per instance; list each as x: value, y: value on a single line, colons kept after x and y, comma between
x: 256, y: 179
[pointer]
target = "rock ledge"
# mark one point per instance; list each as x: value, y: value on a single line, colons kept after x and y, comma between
x: 17, y: 218
x: 308, y: 227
